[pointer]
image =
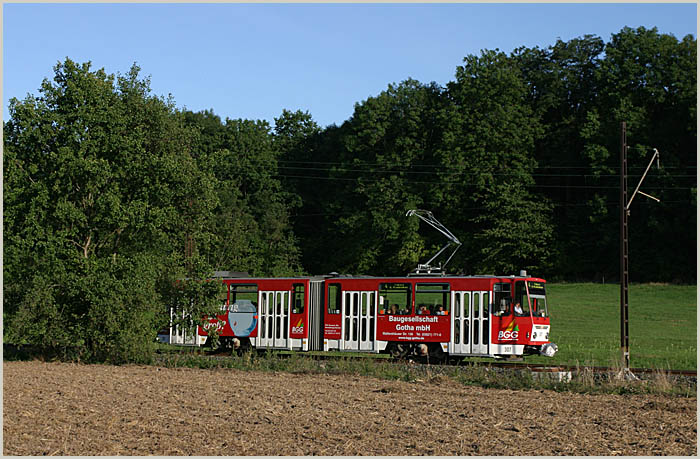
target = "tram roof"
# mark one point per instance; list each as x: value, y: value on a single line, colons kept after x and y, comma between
x: 245, y: 276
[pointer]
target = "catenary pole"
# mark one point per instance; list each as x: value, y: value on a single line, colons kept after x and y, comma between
x: 624, y: 245
x: 624, y: 253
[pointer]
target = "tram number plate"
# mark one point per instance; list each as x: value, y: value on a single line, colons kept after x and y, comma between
x: 507, y: 349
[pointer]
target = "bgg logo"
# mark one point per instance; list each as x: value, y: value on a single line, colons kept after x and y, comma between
x: 508, y: 335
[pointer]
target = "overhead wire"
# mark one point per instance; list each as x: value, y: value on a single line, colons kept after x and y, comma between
x: 390, y: 171
x: 556, y: 205
x: 339, y: 163
x: 447, y: 182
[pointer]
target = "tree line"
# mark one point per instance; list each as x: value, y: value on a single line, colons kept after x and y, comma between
x: 113, y: 196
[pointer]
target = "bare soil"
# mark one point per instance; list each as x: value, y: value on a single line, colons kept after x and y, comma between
x: 73, y: 409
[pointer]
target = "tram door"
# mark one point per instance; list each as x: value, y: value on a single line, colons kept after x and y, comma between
x: 480, y: 322
x: 358, y: 322
x: 469, y: 327
x: 273, y: 329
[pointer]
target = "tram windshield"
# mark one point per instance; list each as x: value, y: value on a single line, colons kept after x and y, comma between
x: 537, y: 301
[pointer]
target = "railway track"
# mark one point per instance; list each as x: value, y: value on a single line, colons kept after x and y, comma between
x: 505, y: 365
x: 575, y: 368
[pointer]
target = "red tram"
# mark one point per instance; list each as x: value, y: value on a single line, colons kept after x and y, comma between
x: 439, y: 316
x: 426, y: 313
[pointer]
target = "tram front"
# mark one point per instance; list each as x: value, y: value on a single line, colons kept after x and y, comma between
x: 521, y: 318
x: 530, y: 308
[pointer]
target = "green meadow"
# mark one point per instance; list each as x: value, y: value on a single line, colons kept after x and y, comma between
x: 585, y: 321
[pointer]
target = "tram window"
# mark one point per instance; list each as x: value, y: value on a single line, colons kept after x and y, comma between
x: 524, y: 307
x: 247, y: 293
x: 538, y: 300
x: 396, y: 297
x: 434, y: 298
x: 334, y: 299
x: 484, y: 305
x: 521, y: 297
x: 539, y: 306
x: 280, y: 305
x: 298, y: 299
x: 501, y: 299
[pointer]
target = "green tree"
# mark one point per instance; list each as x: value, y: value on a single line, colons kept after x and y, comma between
x: 386, y: 148
x: 510, y: 225
x: 650, y: 81
x: 303, y: 173
x: 250, y: 225
x: 99, y: 185
x: 563, y: 86
x: 581, y: 90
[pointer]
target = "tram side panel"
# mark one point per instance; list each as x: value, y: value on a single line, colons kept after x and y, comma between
x: 298, y: 315
x: 284, y: 314
x: 467, y: 316
x: 266, y: 313
x: 332, y: 324
x: 238, y: 318
x: 369, y: 314
x: 408, y: 312
x: 350, y: 315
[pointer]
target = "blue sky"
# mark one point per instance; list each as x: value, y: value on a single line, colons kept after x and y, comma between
x: 254, y: 60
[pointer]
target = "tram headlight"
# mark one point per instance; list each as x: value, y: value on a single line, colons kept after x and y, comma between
x: 534, y: 335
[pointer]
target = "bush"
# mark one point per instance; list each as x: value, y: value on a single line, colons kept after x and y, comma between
x: 108, y: 310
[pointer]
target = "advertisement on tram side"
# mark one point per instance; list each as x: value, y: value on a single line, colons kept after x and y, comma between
x: 428, y: 328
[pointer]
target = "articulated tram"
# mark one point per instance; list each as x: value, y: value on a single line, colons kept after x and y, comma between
x: 426, y: 313
x: 436, y: 316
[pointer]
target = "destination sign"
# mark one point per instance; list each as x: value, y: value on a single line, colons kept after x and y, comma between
x: 395, y: 287
x: 536, y: 288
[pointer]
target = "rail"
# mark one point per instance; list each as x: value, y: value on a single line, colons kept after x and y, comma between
x: 534, y: 367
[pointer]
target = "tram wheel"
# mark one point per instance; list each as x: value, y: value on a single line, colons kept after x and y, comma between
x: 399, y: 350
x: 244, y: 348
x: 436, y: 354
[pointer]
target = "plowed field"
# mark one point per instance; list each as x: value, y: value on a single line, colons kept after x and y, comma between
x: 71, y: 409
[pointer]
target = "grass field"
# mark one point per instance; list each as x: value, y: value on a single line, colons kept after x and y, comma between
x: 585, y: 321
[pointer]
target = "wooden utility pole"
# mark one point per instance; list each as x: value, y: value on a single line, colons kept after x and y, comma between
x: 624, y: 247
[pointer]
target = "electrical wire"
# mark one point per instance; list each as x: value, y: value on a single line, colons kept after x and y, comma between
x: 445, y: 182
